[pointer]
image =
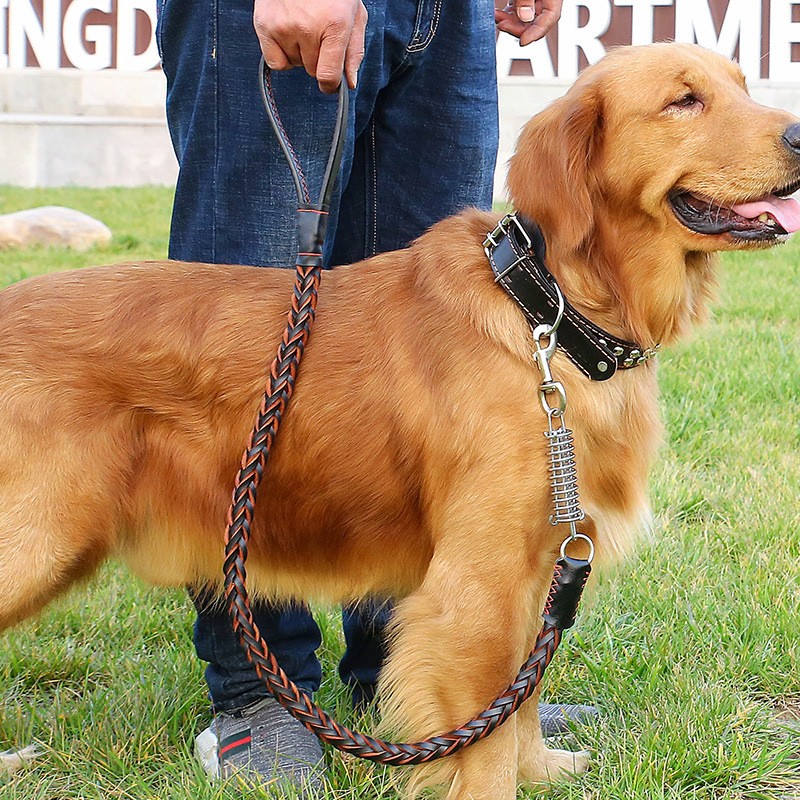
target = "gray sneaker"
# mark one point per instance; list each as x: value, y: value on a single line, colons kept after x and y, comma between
x: 263, y: 744
x: 557, y: 720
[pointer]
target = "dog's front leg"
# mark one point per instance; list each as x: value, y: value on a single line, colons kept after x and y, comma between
x: 538, y: 763
x: 459, y: 641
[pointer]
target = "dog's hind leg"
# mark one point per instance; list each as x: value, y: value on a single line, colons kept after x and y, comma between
x: 37, y: 563
x: 55, y: 527
x: 56, y: 513
x: 458, y: 643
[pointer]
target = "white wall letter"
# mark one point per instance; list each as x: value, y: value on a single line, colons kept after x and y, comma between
x: 782, y: 33
x: 572, y: 38
x: 99, y: 34
x: 742, y: 24
x: 642, y: 18
x: 537, y: 53
x: 127, y: 58
x: 44, y: 35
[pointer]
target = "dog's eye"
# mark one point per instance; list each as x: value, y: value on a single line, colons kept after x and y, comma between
x: 687, y: 102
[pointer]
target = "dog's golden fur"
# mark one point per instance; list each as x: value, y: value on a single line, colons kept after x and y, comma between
x: 412, y: 461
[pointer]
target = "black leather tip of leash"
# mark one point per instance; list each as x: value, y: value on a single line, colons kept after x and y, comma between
x: 569, y: 579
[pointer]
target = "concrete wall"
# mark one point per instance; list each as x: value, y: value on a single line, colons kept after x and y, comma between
x: 69, y: 127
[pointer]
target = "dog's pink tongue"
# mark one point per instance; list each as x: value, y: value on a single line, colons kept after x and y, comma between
x: 785, y: 210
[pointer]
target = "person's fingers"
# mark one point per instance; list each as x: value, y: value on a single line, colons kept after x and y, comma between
x: 273, y: 46
x: 330, y: 63
x: 514, y: 27
x: 274, y: 56
x: 548, y: 15
x: 309, y: 56
x: 506, y: 20
x: 355, y: 47
x: 525, y: 10
x: 534, y: 32
x: 528, y: 20
x: 316, y: 34
x: 308, y: 60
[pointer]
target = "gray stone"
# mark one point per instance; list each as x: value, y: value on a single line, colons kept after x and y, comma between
x: 52, y: 226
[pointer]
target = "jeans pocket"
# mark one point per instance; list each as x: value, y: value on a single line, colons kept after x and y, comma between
x: 428, y: 14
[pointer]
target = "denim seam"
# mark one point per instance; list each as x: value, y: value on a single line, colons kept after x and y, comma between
x: 417, y: 21
x: 400, y: 68
x: 416, y: 47
x: 159, y: 32
x: 372, y: 246
x: 215, y: 67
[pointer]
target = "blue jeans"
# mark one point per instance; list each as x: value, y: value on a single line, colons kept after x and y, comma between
x: 421, y: 144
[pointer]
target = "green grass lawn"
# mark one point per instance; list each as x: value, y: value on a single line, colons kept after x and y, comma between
x: 692, y: 648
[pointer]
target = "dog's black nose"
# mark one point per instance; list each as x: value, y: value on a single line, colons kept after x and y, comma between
x: 792, y: 138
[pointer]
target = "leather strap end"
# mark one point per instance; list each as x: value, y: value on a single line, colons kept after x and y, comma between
x: 569, y: 578
x: 312, y: 221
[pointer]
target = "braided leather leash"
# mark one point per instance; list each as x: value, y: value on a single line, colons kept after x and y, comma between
x: 569, y: 577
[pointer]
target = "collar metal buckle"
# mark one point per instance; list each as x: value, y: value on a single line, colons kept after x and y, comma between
x: 493, y: 238
x: 502, y: 228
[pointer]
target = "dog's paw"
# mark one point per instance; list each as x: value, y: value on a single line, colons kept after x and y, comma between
x: 13, y: 760
x: 565, y: 764
x: 550, y: 766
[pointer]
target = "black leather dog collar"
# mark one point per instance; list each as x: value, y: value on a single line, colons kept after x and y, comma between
x: 516, y: 253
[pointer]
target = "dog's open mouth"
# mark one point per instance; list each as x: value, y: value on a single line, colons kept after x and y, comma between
x: 763, y: 219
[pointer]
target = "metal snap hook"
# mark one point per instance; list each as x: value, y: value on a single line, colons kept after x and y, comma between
x: 549, y: 388
x: 545, y: 332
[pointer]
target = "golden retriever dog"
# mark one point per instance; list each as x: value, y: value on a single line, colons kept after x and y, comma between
x: 411, y: 462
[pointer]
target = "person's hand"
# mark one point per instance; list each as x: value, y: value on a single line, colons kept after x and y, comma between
x: 324, y: 36
x: 528, y: 20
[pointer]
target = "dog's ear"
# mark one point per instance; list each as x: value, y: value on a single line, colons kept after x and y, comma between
x: 550, y: 176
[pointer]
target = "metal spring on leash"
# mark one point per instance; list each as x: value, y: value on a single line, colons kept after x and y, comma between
x: 563, y: 476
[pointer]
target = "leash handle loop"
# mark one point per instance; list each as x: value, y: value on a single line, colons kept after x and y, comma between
x: 312, y: 218
x: 292, y: 159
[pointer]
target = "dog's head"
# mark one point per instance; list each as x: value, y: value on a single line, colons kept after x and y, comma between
x: 667, y: 139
